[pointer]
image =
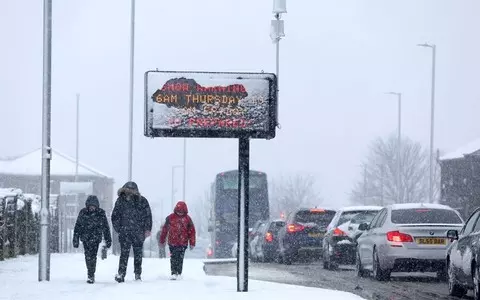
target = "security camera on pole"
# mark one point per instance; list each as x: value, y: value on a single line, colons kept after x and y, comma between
x: 277, y: 33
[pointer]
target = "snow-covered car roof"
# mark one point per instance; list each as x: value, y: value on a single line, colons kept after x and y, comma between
x: 366, y: 208
x: 419, y: 205
x: 5, y: 192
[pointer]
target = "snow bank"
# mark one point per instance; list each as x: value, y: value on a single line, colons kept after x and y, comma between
x: 19, y: 278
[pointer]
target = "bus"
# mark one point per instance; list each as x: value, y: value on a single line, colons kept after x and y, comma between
x: 223, y: 221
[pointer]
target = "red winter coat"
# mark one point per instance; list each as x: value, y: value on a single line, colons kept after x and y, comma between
x: 179, y: 228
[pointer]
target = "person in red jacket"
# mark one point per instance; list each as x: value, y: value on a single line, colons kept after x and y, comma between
x: 181, y: 232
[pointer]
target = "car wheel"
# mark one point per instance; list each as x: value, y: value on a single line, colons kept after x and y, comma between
x: 279, y: 258
x: 378, y: 273
x: 454, y: 289
x: 287, y: 258
x: 442, y: 274
x: 476, y: 283
x: 325, y: 260
x: 359, y: 271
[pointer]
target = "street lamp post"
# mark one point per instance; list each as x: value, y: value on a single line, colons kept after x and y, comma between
x: 130, y: 119
x: 399, y: 147
x: 276, y: 34
x: 184, y: 168
x: 173, y: 183
x: 44, y: 251
x: 432, y: 119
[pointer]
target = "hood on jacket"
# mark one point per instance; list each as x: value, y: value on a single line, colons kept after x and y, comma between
x: 181, y: 207
x: 129, y: 188
x: 92, y: 200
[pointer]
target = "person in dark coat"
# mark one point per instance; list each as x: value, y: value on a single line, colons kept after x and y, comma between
x: 132, y: 220
x: 91, y: 227
x: 181, y: 232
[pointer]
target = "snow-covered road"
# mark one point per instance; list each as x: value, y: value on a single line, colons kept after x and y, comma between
x: 19, y: 281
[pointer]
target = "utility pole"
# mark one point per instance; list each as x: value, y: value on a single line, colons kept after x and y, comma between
x: 130, y: 117
x: 184, y: 168
x: 77, y: 138
x: 382, y: 182
x: 432, y: 118
x: 44, y: 251
x: 365, y: 185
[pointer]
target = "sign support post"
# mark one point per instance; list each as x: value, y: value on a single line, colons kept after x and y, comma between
x: 242, y: 106
x: 243, y: 213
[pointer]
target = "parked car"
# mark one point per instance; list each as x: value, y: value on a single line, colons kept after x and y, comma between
x: 406, y: 238
x: 462, y: 258
x: 264, y: 247
x: 303, y: 233
x: 339, y: 245
x: 252, y: 232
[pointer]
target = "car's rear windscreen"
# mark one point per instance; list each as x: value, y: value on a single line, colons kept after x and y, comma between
x: 320, y: 217
x: 425, y: 216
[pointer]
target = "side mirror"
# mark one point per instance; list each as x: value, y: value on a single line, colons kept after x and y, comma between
x: 452, y: 235
x: 363, y: 227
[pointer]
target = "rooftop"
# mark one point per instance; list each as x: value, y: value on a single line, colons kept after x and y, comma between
x: 31, y: 164
x: 468, y: 149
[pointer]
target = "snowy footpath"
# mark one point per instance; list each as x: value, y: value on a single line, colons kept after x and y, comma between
x: 19, y: 281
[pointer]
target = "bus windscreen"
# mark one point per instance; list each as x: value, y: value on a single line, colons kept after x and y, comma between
x: 230, y: 182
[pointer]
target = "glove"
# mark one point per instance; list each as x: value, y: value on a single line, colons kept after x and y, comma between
x: 75, y: 243
x: 108, y: 244
x: 191, y: 247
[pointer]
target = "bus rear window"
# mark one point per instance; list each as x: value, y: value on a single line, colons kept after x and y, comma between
x: 322, y: 218
x: 425, y: 216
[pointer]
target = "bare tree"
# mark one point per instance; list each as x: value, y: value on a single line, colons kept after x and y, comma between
x: 292, y: 192
x: 379, y: 184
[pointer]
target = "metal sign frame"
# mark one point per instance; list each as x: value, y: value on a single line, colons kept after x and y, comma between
x: 268, y: 133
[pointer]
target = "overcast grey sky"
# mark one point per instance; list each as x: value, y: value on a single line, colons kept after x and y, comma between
x: 337, y: 60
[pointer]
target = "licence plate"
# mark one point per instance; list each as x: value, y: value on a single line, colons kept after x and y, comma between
x: 315, y: 235
x: 431, y: 241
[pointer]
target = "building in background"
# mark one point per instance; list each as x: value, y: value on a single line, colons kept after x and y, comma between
x: 68, y: 190
x: 460, y: 178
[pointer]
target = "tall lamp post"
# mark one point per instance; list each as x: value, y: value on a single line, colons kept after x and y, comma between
x: 130, y: 116
x: 276, y: 34
x: 399, y: 147
x: 432, y: 119
x: 184, y: 168
x: 173, y: 183
x: 44, y: 251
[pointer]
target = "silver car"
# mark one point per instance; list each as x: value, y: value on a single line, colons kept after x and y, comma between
x: 406, y: 238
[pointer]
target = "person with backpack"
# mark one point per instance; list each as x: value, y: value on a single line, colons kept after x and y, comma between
x: 180, y: 231
x: 90, y: 228
x: 132, y: 220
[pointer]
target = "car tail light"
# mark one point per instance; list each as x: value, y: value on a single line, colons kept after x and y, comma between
x: 209, y: 252
x: 291, y: 228
x: 397, y: 236
x: 269, y: 237
x: 338, y: 232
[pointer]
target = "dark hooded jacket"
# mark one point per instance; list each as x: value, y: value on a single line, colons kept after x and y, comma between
x: 179, y: 228
x: 131, y: 214
x: 91, y: 226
